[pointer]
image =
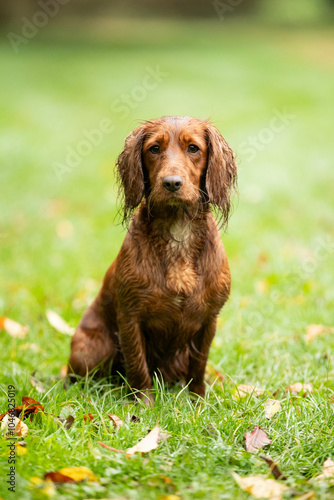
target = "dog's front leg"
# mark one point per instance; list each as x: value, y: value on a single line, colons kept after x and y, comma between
x: 134, y: 351
x: 198, y: 356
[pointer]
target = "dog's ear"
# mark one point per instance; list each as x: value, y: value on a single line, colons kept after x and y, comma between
x: 130, y: 172
x: 221, y: 172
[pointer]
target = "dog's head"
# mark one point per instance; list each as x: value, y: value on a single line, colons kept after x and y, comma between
x: 177, y: 161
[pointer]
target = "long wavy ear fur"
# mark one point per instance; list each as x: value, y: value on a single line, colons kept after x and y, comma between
x: 130, y: 173
x: 221, y: 173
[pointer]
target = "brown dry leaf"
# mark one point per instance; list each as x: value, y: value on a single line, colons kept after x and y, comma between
x: 20, y: 429
x: 57, y: 477
x: 150, y: 442
x: 313, y: 331
x: 59, y: 323
x: 298, y: 388
x: 327, y: 471
x: 260, y: 486
x: 256, y: 439
x: 13, y: 328
x: 117, y: 422
x: 88, y: 418
x: 79, y: 473
x: 68, y: 421
x: 274, y: 468
x: 271, y: 407
x: 244, y: 390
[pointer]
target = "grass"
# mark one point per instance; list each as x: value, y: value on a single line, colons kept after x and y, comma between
x: 58, y: 238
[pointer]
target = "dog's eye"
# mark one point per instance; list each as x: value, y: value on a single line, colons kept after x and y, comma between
x: 155, y: 149
x: 192, y: 148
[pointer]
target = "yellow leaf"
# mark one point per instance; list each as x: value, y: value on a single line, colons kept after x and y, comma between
x: 243, y: 390
x: 46, y: 487
x: 14, y: 329
x: 313, y: 331
x: 150, y: 442
x: 79, y: 473
x: 169, y: 497
x: 20, y: 450
x: 59, y: 323
x: 271, y: 407
x: 260, y: 486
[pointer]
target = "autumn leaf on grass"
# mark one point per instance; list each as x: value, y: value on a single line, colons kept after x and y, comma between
x: 313, y: 331
x: 68, y: 421
x: 271, y: 407
x: 273, y: 468
x: 211, y: 374
x: 59, y: 323
x: 242, y: 391
x: 13, y: 426
x: 256, y: 439
x: 14, y: 329
x: 327, y: 472
x: 117, y: 422
x: 260, y: 486
x: 150, y: 442
x: 58, y: 477
x: 71, y: 475
x: 298, y: 388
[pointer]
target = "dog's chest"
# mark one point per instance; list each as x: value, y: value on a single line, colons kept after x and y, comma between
x: 181, y: 273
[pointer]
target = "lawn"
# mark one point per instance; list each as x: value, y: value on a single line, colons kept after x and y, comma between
x: 271, y: 93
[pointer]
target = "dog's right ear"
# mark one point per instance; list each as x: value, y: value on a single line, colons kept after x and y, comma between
x: 130, y: 172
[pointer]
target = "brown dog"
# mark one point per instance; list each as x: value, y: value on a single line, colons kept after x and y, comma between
x: 158, y: 305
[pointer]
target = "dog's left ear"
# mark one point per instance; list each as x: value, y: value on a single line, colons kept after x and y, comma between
x: 221, y: 173
x: 130, y: 172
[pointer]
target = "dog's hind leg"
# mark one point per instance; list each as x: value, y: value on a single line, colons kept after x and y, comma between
x: 93, y: 346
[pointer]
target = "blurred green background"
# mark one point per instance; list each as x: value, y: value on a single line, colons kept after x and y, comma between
x: 263, y: 72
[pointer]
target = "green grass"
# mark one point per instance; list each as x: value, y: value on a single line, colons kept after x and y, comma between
x: 58, y: 238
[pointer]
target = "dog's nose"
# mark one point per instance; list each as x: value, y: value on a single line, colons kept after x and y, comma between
x: 172, y: 182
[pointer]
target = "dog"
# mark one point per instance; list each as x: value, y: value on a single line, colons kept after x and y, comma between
x: 157, y: 309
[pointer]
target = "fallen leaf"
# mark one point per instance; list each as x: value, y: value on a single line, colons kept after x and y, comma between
x: 20, y: 450
x: 13, y: 328
x: 256, y: 439
x: 59, y: 323
x: 307, y: 496
x: 327, y: 471
x: 212, y: 375
x: 313, y: 331
x: 150, y: 442
x: 88, y: 418
x: 260, y: 486
x: 58, y: 477
x: 244, y: 390
x: 170, y: 497
x: 298, y: 388
x: 271, y: 407
x: 117, y: 422
x: 79, y: 473
x: 273, y: 468
x: 68, y: 421
x: 13, y: 426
